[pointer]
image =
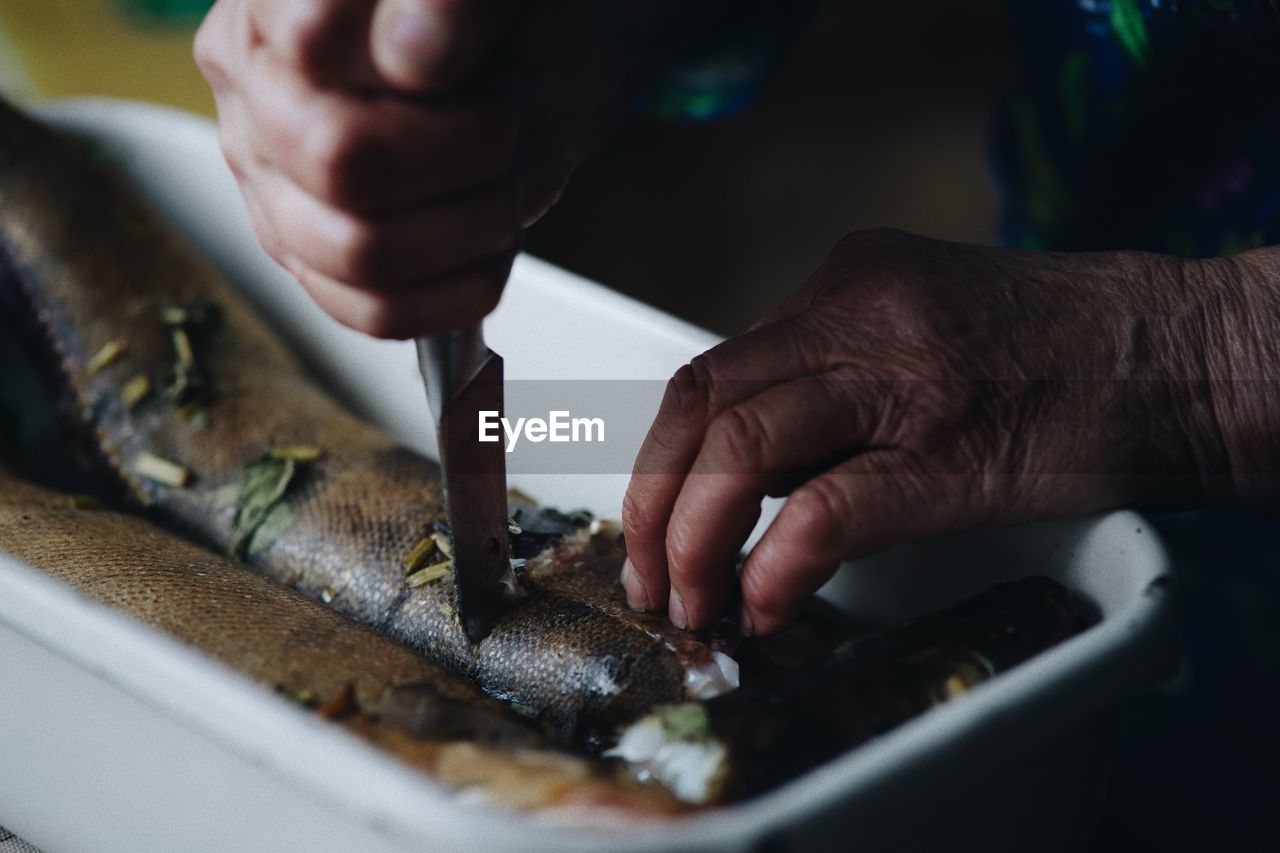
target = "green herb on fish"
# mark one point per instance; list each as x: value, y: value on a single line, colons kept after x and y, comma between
x: 135, y: 390
x: 674, y: 744
x: 417, y: 558
x: 158, y: 470
x: 84, y: 502
x: 687, y: 722
x: 523, y: 710
x: 430, y: 574
x: 182, y: 346
x: 279, y: 519
x: 298, y: 453
x: 188, y: 384
x: 195, y: 414
x: 964, y: 675
x: 306, y: 697
x: 104, y: 357
x: 205, y: 316
x: 261, y: 491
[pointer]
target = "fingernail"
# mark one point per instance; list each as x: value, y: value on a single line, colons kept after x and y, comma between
x: 675, y: 611
x: 637, y: 595
x: 745, y: 627
x: 415, y: 41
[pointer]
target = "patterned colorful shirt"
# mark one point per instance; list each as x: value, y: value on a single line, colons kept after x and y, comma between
x: 1143, y: 124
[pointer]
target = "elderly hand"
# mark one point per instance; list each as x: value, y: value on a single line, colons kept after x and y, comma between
x: 913, y: 387
x: 390, y: 152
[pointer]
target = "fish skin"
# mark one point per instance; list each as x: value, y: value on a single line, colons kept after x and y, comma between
x: 91, y: 264
x: 407, y: 705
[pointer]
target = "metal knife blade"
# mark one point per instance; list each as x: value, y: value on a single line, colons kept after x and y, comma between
x: 463, y: 377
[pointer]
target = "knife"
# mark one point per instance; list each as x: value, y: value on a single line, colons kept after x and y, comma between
x: 463, y: 377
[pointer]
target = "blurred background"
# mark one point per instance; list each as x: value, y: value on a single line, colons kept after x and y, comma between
x: 878, y: 118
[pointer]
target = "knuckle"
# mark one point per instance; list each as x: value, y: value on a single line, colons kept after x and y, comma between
x: 337, y: 153
x: 263, y: 229
x: 479, y: 292
x: 740, y: 440
x: 229, y: 143
x: 380, y: 318
x: 878, y: 265
x: 820, y: 515
x: 268, y: 238
x: 206, y: 50
x: 305, y: 31
x: 688, y: 391
x: 760, y: 591
x: 362, y: 256
x: 638, y: 520
x: 873, y: 241
x: 681, y: 554
x: 446, y: 8
x: 703, y: 369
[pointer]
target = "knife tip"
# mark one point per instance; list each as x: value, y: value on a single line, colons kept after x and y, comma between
x: 478, y: 626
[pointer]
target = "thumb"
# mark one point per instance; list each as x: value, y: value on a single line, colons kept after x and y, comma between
x: 431, y: 45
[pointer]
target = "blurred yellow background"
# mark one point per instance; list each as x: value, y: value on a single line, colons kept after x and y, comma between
x: 121, y: 48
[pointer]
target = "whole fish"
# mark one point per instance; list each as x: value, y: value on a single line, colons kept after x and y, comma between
x: 380, y: 690
x: 193, y: 407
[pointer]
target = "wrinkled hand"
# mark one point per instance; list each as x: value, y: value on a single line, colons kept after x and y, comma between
x: 912, y: 388
x: 390, y: 152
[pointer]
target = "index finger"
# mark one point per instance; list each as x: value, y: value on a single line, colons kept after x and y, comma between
x: 725, y: 375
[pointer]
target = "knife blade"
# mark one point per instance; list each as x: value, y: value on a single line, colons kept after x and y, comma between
x: 463, y: 377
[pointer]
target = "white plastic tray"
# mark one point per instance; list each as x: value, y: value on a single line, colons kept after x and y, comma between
x: 114, y: 738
